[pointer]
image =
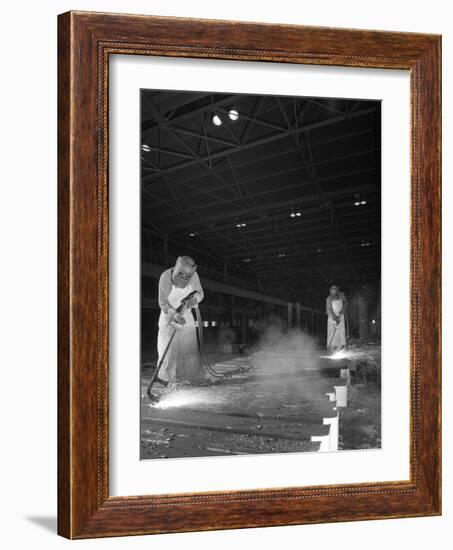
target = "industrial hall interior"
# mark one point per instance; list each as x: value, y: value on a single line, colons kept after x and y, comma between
x: 260, y: 274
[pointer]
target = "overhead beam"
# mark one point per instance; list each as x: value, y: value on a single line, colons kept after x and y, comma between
x: 257, y: 159
x: 267, y: 156
x: 326, y: 104
x: 364, y: 188
x: 297, y: 224
x: 242, y: 211
x: 321, y: 241
x: 262, y: 141
x: 150, y: 124
x: 303, y: 237
x: 301, y: 268
x: 191, y: 133
x: 207, y: 106
x: 167, y: 151
x: 155, y: 271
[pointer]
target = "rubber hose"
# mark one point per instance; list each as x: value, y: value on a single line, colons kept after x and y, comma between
x: 206, y: 363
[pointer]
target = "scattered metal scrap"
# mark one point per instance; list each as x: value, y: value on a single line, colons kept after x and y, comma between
x: 290, y: 403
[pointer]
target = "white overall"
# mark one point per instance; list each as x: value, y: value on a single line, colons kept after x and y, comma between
x: 336, y: 334
x: 182, y: 362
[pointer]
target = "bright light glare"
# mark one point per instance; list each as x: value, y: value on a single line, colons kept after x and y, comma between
x: 186, y: 397
x: 342, y: 354
x: 176, y: 400
x: 233, y: 114
x: 216, y: 120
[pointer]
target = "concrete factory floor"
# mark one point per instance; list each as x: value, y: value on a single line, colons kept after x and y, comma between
x: 360, y: 421
x: 280, y: 406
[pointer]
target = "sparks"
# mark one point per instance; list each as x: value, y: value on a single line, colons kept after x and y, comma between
x: 182, y: 398
x: 341, y: 354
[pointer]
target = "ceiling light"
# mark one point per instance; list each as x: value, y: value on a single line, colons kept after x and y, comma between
x: 246, y: 260
x: 233, y: 114
x: 146, y: 148
x: 216, y: 120
x: 298, y: 214
x: 193, y: 234
x: 359, y: 200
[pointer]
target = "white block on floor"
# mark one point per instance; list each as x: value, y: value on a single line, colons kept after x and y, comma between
x: 333, y: 432
x: 325, y: 442
x: 341, y: 395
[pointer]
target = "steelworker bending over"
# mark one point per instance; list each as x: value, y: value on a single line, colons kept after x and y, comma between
x: 336, y: 304
x: 182, y: 362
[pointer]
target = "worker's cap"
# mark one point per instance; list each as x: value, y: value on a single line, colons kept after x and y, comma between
x: 186, y: 264
x: 184, y: 268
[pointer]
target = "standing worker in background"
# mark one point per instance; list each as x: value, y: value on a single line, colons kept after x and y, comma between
x: 182, y: 362
x: 336, y: 304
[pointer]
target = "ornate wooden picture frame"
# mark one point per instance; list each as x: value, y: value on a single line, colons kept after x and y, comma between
x: 86, y: 40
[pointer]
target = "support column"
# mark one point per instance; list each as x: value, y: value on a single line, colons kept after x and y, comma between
x: 244, y: 327
x: 362, y: 303
x: 290, y: 315
x: 298, y: 315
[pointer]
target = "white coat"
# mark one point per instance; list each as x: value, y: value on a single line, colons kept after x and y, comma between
x: 336, y: 333
x: 182, y: 362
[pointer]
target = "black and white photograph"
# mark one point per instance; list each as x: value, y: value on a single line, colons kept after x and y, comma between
x: 260, y: 274
x: 225, y: 288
